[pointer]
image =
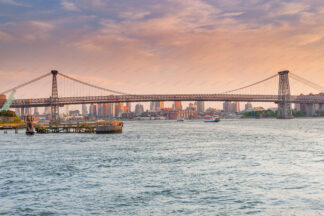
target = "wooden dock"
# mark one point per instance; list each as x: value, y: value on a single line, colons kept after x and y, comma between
x: 79, y: 127
x: 66, y: 127
x: 12, y: 126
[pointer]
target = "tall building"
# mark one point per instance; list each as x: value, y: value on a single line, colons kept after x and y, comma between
x: 84, y: 110
x: 28, y: 111
x: 248, y: 107
x: 193, y: 107
x: 119, y: 109
x: 177, y: 105
x: 122, y: 108
x: 200, y: 106
x: 236, y: 107
x: 36, y: 111
x: 139, y: 109
x: 159, y: 105
x: 93, y: 110
x: 101, y: 113
x: 129, y: 105
x: 152, y: 106
x: 112, y: 110
x: 107, y: 110
x: 229, y: 107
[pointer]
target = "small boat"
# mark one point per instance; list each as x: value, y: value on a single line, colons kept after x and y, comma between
x: 29, y: 125
x: 109, y: 127
x: 30, y: 132
x: 209, y: 118
x: 180, y: 120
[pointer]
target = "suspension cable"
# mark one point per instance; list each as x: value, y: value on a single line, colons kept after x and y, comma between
x: 26, y: 83
x: 93, y: 86
x: 307, y: 82
x: 253, y: 84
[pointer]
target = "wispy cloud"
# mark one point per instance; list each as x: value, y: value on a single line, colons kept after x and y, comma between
x: 4, y: 37
x: 14, y: 3
x: 70, y: 6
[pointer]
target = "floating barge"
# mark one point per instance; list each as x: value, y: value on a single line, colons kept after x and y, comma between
x: 84, y: 127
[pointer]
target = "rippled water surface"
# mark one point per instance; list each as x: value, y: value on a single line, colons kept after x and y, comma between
x: 234, y: 167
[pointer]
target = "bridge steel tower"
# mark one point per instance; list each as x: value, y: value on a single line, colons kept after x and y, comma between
x: 284, y: 105
x: 54, y: 98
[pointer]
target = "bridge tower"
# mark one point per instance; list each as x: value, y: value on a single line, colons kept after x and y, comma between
x: 54, y: 98
x: 284, y: 106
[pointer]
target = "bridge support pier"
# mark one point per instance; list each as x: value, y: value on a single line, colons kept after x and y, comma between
x: 54, y: 98
x: 284, y: 105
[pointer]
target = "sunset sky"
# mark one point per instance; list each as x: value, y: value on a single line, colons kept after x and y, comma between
x: 166, y: 46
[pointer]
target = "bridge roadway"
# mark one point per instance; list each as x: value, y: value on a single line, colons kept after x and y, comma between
x: 42, y: 102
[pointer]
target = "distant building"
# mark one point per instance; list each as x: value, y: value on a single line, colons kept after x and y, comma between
x: 193, y: 107
x: 112, y: 110
x: 227, y: 106
x: 236, y: 107
x: 200, y: 106
x: 74, y: 113
x: 248, y: 107
x: 84, y: 110
x: 153, y: 106
x: 230, y: 107
x: 28, y: 111
x: 93, y: 110
x: 156, y: 106
x: 182, y: 114
x: 129, y: 105
x: 36, y: 111
x: 101, y: 111
x: 119, y: 109
x: 139, y: 109
x: 159, y: 105
x: 177, y: 105
x: 126, y: 109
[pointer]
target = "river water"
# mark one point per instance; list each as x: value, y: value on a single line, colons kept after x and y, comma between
x: 234, y: 167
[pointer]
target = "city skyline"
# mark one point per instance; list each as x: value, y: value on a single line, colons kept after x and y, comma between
x: 192, y: 46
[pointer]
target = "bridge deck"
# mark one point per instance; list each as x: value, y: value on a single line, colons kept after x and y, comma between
x: 41, y: 102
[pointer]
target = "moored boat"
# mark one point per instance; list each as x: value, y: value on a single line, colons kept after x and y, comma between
x: 29, y: 125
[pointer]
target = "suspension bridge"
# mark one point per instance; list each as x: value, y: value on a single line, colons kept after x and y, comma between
x: 283, y: 99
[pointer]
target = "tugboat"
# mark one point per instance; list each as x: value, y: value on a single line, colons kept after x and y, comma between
x: 103, y: 127
x: 209, y: 118
x: 29, y: 125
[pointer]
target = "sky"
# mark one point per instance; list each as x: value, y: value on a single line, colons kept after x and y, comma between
x: 165, y: 46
